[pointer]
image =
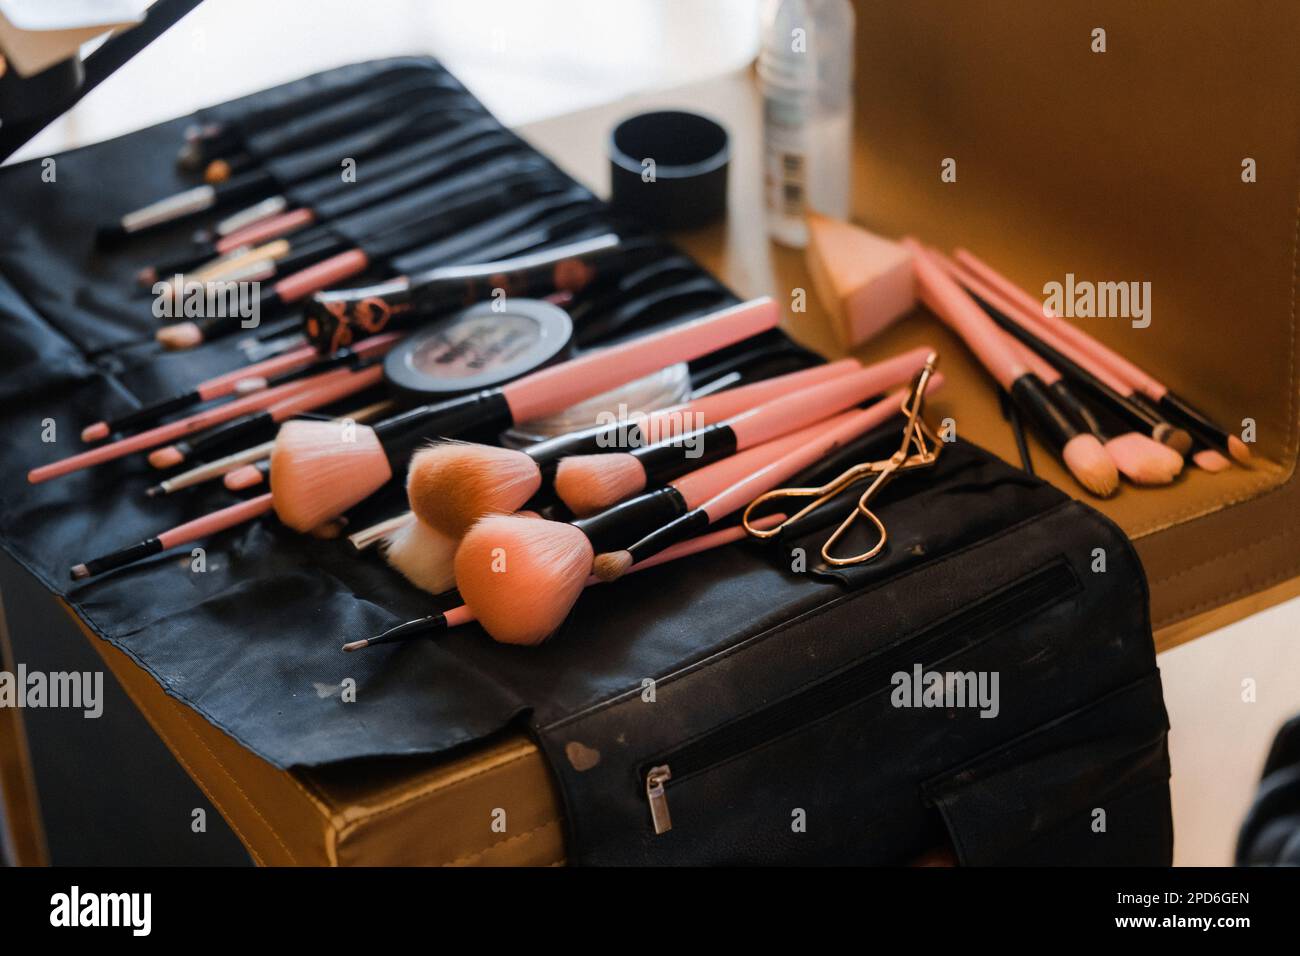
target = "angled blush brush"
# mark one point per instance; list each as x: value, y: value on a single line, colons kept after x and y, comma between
x: 454, y: 617
x: 589, y: 483
x: 1127, y: 378
x: 453, y: 484
x: 1078, y: 449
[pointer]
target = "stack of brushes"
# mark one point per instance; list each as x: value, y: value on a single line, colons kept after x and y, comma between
x: 444, y: 203
x: 1106, y: 418
x: 594, y: 505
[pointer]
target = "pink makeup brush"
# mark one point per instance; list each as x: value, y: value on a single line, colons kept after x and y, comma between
x: 217, y: 387
x: 590, y: 483
x: 321, y: 469
x: 1110, y: 390
x: 453, y: 484
x: 1139, y: 458
x: 1081, y: 452
x: 1129, y: 379
x: 316, y: 476
x: 455, y: 617
x: 524, y: 598
x: 349, y: 383
x: 182, y: 534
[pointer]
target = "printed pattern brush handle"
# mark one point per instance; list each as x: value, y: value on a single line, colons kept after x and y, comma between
x: 332, y: 320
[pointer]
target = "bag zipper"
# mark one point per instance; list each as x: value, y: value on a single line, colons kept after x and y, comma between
x: 977, y: 623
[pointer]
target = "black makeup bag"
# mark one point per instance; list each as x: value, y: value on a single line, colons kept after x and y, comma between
x: 774, y: 710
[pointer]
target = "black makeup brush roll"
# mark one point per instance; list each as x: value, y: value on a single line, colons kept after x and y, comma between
x: 773, y: 709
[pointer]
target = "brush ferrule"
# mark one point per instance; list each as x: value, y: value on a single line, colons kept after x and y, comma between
x: 630, y: 520
x: 411, y: 630
x: 598, y: 438
x: 1074, y: 408
x: 682, y: 453
x: 1181, y: 412
x: 687, y: 526
x: 118, y: 559
x: 480, y: 414
x: 151, y: 413
x: 226, y: 435
x: 1035, y: 401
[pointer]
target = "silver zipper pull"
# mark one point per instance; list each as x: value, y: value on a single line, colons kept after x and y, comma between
x: 654, y: 793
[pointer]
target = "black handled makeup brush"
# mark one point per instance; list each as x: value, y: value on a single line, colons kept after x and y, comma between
x: 332, y: 319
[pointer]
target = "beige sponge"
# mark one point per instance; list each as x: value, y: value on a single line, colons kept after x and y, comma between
x: 863, y: 280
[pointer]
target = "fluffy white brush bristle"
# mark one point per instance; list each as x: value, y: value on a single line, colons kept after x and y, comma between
x: 521, y: 576
x: 1090, y: 465
x: 425, y: 556
x: 321, y: 469
x: 591, y: 483
x: 1207, y: 459
x: 453, y: 484
x: 1143, y: 460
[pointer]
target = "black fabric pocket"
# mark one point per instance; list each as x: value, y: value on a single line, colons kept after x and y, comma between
x: 1088, y: 788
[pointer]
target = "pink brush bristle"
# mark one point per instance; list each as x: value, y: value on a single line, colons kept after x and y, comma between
x: 521, y: 576
x: 320, y: 469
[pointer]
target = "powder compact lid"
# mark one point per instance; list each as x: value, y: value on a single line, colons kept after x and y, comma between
x: 479, y: 347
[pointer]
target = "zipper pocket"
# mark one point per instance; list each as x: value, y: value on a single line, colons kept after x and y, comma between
x: 988, y: 616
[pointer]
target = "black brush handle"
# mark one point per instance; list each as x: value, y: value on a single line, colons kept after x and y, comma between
x: 687, y: 526
x: 589, y: 441
x: 151, y: 413
x: 682, y: 453
x: 478, y: 413
x: 1121, y: 404
x: 1182, y: 412
x: 1035, y: 402
x: 1076, y: 409
x: 118, y: 559
x: 631, y: 520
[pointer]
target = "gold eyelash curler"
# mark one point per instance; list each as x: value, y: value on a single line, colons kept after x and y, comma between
x: 918, y: 449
